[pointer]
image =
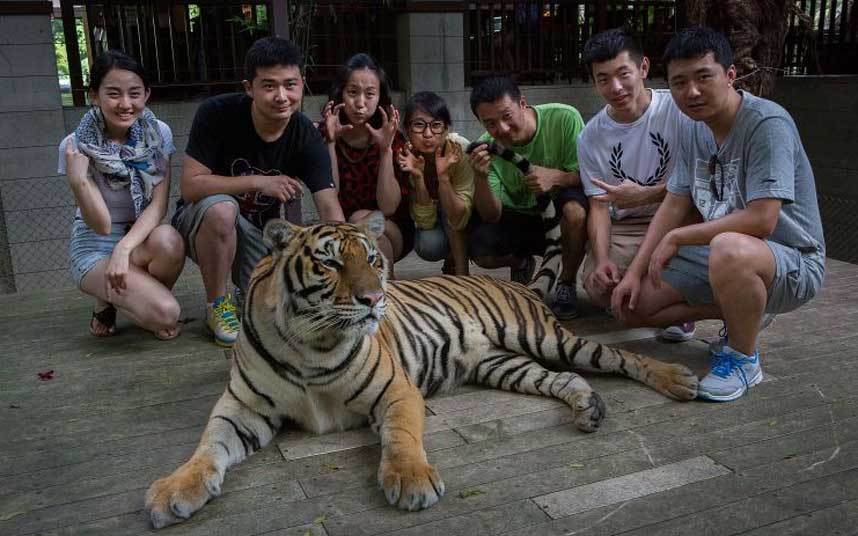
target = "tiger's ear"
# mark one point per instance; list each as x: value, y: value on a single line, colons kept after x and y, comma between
x: 277, y: 233
x: 372, y: 224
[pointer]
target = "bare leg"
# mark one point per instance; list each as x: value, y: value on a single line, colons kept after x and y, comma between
x: 458, y: 250
x: 741, y: 268
x: 162, y: 255
x: 573, y: 229
x: 147, y: 302
x: 215, y: 248
x: 664, y: 306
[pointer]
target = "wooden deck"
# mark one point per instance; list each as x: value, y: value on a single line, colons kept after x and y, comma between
x: 78, y: 451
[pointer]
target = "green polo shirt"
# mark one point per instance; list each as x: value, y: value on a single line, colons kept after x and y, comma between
x: 553, y: 146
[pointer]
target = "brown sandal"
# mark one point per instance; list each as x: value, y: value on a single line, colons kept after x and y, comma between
x: 107, y: 318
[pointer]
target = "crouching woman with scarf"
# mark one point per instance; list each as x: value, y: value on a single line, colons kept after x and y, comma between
x: 118, y: 167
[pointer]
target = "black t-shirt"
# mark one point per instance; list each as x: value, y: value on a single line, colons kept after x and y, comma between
x: 224, y: 140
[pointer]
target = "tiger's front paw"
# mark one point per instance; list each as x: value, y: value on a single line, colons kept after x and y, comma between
x: 175, y: 498
x: 410, y: 486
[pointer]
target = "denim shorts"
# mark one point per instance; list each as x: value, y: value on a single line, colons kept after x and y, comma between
x: 86, y: 247
x: 798, y: 276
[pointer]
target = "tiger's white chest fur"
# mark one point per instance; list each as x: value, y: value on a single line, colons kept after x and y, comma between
x: 320, y: 413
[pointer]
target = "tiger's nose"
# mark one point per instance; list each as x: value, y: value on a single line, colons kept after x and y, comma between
x: 370, y: 298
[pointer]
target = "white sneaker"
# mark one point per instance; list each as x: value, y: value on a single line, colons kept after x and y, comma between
x: 678, y: 333
x: 731, y: 375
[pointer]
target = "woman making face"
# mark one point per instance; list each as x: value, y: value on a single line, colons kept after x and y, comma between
x: 442, y: 184
x: 360, y: 127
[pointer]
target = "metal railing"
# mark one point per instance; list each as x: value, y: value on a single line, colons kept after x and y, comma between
x: 194, y: 49
x: 822, y: 38
x: 541, y: 41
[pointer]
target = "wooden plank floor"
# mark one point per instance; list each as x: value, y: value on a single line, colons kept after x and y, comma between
x: 77, y: 452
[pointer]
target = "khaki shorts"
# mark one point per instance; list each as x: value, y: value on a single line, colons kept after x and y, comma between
x: 626, y: 239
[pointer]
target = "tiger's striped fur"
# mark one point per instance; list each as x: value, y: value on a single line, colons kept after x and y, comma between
x: 328, y: 343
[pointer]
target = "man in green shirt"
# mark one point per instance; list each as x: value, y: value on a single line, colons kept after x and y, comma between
x: 510, y: 231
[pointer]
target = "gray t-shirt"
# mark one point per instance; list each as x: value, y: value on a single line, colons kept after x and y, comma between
x: 119, y: 202
x: 761, y: 158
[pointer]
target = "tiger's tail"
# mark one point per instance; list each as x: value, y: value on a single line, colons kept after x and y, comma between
x: 548, y: 271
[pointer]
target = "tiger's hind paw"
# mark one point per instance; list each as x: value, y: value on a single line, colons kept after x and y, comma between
x: 413, y: 486
x: 589, y: 410
x: 676, y: 381
x: 175, y: 498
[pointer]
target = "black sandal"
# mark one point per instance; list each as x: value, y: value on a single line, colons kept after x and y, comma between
x: 107, y: 318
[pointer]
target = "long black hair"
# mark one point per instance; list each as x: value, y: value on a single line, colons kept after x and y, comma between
x: 359, y: 62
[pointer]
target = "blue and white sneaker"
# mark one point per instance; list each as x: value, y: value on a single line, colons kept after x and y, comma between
x: 731, y: 375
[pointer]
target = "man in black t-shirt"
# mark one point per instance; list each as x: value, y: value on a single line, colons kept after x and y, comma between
x: 247, y: 155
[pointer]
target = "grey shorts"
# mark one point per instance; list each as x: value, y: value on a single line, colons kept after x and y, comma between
x: 249, y: 248
x: 798, y: 276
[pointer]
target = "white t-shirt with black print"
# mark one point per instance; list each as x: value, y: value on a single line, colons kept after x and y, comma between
x: 643, y: 151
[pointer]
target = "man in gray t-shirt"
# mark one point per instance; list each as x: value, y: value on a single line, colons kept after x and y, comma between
x: 760, y: 248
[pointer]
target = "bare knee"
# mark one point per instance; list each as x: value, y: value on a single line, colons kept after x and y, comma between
x: 358, y: 215
x: 574, y: 216
x: 219, y: 220
x: 729, y: 254
x: 165, y: 312
x: 166, y: 243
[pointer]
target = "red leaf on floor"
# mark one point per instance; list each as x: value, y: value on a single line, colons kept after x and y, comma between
x: 47, y: 375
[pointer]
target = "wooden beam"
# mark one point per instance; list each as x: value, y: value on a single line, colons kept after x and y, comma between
x: 72, y: 52
x: 280, y: 18
x: 36, y: 7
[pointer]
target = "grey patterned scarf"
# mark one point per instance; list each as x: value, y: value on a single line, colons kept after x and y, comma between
x: 138, y: 162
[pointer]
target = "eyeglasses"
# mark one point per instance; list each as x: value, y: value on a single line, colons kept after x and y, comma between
x: 716, y: 189
x: 419, y: 127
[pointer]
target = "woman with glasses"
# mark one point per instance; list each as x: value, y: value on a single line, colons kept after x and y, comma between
x: 442, y: 182
x: 360, y: 127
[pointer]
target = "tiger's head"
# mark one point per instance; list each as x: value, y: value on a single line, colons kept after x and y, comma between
x: 330, y: 278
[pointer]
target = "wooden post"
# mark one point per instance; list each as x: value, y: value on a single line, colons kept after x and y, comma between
x: 72, y: 51
x: 280, y: 18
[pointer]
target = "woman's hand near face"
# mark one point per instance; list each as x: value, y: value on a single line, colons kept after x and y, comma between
x: 384, y: 135
x: 411, y: 162
x: 446, y: 155
x: 331, y: 116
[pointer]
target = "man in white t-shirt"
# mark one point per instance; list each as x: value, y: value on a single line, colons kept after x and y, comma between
x: 626, y: 153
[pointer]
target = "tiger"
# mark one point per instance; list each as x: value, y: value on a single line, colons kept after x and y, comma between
x: 329, y: 343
